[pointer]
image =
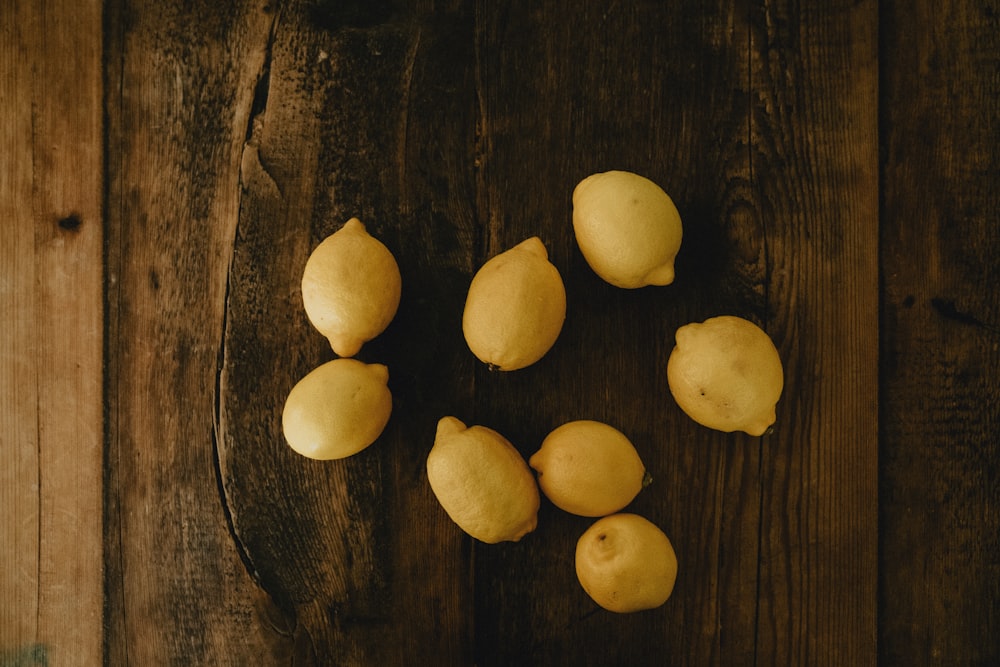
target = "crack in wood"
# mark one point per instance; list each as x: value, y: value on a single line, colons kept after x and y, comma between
x: 404, y: 114
x: 250, y: 160
x: 262, y: 88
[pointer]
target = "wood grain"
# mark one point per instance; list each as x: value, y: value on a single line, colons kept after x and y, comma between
x: 178, y: 109
x: 370, y: 116
x: 166, y: 167
x: 814, y: 168
x: 940, y: 367
x: 779, y: 195
x: 555, y: 86
x: 51, y: 453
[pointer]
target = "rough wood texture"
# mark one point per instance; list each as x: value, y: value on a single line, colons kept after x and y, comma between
x: 555, y: 87
x: 940, y: 348
x: 178, y: 108
x: 813, y: 168
x: 779, y: 198
x: 368, y: 115
x: 51, y: 452
x: 312, y: 162
x: 836, y: 168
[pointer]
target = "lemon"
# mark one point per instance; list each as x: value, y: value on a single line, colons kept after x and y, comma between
x: 627, y: 228
x: 725, y: 373
x: 482, y: 482
x: 351, y: 288
x: 515, y: 307
x: 625, y: 563
x: 588, y: 468
x: 338, y: 409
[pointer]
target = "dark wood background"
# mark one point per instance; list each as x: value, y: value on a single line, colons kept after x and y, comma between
x: 166, y: 167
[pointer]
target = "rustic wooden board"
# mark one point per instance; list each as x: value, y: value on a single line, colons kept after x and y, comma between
x: 825, y: 195
x: 177, y: 590
x: 454, y: 136
x: 371, y: 118
x: 940, y: 362
x: 778, y: 192
x: 51, y: 422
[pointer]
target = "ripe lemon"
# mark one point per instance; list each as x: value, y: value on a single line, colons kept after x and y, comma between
x: 482, y: 482
x: 725, y: 373
x: 588, y: 468
x: 625, y: 563
x: 350, y: 288
x: 515, y: 307
x: 628, y: 229
x: 338, y: 409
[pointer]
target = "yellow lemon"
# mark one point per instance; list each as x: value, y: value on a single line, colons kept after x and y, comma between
x: 627, y: 228
x: 350, y: 288
x: 338, y: 409
x: 482, y: 482
x: 515, y: 307
x: 725, y: 373
x: 588, y: 468
x: 625, y: 563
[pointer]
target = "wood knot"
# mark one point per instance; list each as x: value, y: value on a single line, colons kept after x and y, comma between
x: 70, y: 223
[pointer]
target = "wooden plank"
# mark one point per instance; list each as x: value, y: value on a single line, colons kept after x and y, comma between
x: 768, y: 220
x: 940, y: 385
x: 238, y: 138
x: 814, y: 74
x: 366, y: 114
x: 181, y: 80
x: 659, y: 89
x: 51, y: 452
x: 20, y: 515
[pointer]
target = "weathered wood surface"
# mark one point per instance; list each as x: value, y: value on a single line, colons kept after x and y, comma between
x: 939, y: 559
x: 836, y: 170
x: 51, y: 296
x: 177, y: 588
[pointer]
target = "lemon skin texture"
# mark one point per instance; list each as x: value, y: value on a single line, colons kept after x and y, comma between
x: 482, y: 482
x: 515, y: 307
x: 337, y: 409
x: 588, y: 468
x: 725, y: 373
x: 351, y: 288
x: 627, y: 228
x: 626, y: 564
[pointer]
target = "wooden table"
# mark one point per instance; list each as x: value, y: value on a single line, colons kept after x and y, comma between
x: 167, y: 167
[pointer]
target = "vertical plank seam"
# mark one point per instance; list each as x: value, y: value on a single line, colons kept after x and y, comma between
x: 35, y: 215
x: 760, y: 441
x: 34, y: 324
x: 881, y: 122
x: 112, y: 341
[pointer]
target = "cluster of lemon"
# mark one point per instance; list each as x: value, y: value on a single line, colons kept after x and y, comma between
x: 588, y: 468
x: 724, y: 373
x: 351, y: 288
